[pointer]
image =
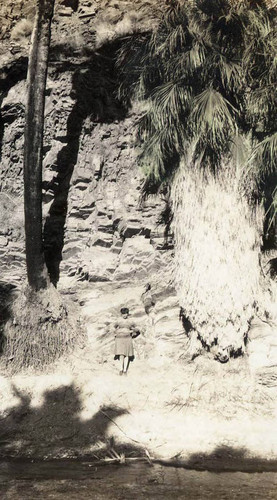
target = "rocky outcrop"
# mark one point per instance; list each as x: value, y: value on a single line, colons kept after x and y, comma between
x: 89, y: 156
x: 119, y: 236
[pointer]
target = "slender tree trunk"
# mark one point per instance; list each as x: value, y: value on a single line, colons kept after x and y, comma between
x: 36, y: 83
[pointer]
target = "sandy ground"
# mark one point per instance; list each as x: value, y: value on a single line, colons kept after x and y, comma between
x: 166, y: 407
x: 161, y: 408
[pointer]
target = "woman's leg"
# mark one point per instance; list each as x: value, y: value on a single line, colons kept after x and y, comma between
x: 125, y: 364
x: 121, y: 359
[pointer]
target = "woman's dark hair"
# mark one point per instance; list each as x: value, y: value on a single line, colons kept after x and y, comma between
x: 124, y: 310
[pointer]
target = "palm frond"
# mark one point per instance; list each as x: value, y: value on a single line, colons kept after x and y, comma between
x: 212, y: 114
x: 165, y: 113
x: 152, y: 158
x: 218, y: 8
x: 265, y: 155
x: 208, y: 76
x: 240, y: 147
x: 185, y: 64
x: 260, y: 42
x: 259, y: 22
x: 173, y: 41
x: 151, y: 75
x: 194, y: 57
x: 172, y: 97
x: 130, y: 59
x: 157, y: 149
x: 261, y: 109
x: 231, y: 72
x: 273, y: 210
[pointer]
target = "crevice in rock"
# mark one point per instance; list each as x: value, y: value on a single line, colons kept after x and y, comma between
x: 7, y: 291
x: 10, y: 75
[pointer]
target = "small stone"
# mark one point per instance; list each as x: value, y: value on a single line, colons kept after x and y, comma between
x: 3, y: 241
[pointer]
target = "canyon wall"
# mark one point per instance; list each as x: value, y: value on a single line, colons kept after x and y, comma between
x: 100, y: 235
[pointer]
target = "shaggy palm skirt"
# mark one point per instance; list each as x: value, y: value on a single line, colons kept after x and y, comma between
x: 123, y: 347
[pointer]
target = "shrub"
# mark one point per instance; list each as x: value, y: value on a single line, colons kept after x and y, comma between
x: 22, y: 29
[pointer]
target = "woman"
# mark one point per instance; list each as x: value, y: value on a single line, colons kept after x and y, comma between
x: 124, y: 331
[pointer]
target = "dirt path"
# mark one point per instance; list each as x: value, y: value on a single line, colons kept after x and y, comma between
x: 83, y: 481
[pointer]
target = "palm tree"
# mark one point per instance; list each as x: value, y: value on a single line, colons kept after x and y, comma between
x: 41, y: 325
x: 260, y: 63
x: 207, y: 77
x: 36, y: 82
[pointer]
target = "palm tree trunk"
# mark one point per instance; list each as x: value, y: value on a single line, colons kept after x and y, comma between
x: 36, y: 83
x: 217, y: 245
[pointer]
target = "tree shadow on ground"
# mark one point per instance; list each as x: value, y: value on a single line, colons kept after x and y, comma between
x: 56, y: 428
x: 224, y: 459
x: 95, y: 87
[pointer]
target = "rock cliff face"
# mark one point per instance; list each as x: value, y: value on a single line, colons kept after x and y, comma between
x: 99, y: 235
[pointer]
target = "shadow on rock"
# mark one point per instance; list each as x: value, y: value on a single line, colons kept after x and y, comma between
x: 10, y: 76
x: 95, y: 87
x: 55, y: 429
x: 7, y: 291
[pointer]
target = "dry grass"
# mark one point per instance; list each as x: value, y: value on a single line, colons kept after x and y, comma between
x: 132, y: 22
x: 41, y: 329
x: 227, y: 391
x: 106, y: 32
x: 217, y: 241
x: 22, y: 29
